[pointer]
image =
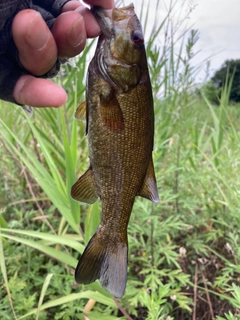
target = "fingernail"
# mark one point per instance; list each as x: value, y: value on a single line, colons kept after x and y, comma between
x: 76, y: 34
x: 37, y: 33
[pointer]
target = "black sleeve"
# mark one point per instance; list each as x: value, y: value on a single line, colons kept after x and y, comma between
x: 7, y: 8
x: 9, y: 74
x: 52, y: 6
x: 10, y: 66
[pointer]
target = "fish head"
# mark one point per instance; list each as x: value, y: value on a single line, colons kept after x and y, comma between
x: 121, y: 35
x: 128, y: 40
x: 120, y: 57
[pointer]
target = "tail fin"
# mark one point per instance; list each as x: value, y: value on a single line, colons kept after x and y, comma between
x: 106, y: 262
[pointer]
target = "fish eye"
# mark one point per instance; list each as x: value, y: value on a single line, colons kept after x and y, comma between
x: 137, y: 38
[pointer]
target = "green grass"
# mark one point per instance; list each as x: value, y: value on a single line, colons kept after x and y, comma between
x: 184, y: 253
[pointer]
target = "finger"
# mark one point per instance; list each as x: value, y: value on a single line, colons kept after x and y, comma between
x: 38, y: 92
x: 69, y: 34
x: 106, y: 4
x: 91, y: 26
x: 36, y: 45
x: 71, y: 6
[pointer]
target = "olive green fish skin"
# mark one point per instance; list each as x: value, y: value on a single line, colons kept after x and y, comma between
x: 120, y: 127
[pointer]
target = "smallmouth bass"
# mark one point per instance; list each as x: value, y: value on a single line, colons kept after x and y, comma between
x: 120, y: 127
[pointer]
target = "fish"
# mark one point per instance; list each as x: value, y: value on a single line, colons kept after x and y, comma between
x: 119, y: 118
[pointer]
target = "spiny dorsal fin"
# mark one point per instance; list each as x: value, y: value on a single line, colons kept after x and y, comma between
x: 84, y: 189
x: 149, y: 187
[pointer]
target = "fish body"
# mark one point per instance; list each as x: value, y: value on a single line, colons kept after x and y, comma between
x: 120, y: 128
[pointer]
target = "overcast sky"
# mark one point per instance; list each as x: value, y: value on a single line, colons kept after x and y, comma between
x: 218, y: 22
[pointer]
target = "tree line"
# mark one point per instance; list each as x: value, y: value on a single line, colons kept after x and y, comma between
x: 228, y: 73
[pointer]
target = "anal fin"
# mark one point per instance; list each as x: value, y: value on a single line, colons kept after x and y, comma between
x: 84, y: 189
x: 149, y: 187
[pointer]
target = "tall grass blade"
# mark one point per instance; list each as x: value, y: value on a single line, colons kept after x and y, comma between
x: 3, y: 222
x: 52, y: 185
x: 73, y: 297
x: 43, y: 291
x: 48, y: 239
x: 92, y: 221
x: 54, y: 253
x: 70, y: 161
x: 5, y: 277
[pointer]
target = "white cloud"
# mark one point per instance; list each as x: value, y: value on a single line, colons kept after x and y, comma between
x: 219, y: 25
x: 218, y: 22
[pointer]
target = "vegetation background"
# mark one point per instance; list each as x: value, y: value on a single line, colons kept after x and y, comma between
x: 184, y: 256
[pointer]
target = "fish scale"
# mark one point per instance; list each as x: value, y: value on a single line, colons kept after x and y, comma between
x: 120, y: 127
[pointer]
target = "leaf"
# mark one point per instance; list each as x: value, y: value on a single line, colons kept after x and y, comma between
x: 70, y: 163
x: 53, y: 185
x: 49, y: 238
x: 56, y: 254
x: 3, y: 222
x: 95, y: 316
x: 72, y: 297
x: 92, y: 221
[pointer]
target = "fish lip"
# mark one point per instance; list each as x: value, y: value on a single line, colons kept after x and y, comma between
x: 104, y: 19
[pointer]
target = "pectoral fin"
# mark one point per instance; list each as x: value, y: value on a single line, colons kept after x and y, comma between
x: 149, y: 188
x: 111, y: 112
x: 84, y: 189
x: 80, y: 113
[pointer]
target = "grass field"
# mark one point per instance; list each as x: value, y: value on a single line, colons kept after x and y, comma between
x: 184, y: 256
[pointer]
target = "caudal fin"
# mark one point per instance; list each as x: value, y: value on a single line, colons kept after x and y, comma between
x: 106, y: 262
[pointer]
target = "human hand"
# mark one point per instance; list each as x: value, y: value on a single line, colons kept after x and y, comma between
x: 39, y: 49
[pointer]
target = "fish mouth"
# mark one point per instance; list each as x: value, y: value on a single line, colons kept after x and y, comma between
x: 105, y: 18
